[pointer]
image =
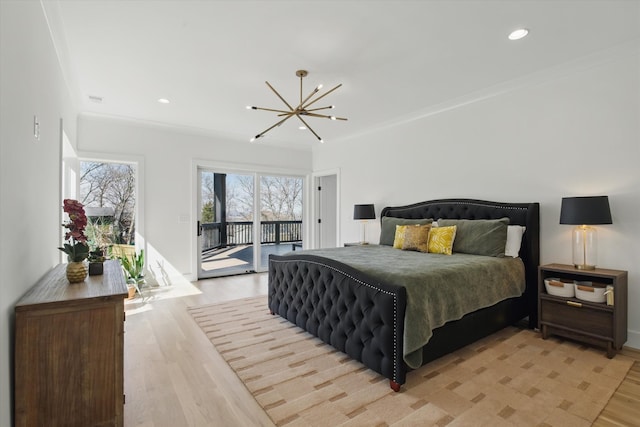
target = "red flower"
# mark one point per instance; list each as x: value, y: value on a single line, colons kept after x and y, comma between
x: 77, y: 248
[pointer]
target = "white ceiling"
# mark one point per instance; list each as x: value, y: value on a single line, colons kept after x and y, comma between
x: 395, y: 59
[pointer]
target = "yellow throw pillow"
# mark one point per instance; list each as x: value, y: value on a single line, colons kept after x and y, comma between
x: 441, y: 240
x: 416, y: 238
x: 398, y: 240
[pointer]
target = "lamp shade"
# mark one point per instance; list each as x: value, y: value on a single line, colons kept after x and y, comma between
x: 589, y: 210
x: 364, y: 212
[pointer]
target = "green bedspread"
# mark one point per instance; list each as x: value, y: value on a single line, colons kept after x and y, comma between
x: 440, y: 288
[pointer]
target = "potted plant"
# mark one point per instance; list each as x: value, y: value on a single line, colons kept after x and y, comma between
x: 134, y: 270
x: 75, y: 245
x: 96, y: 260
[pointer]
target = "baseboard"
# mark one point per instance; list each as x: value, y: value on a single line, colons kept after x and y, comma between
x: 633, y: 339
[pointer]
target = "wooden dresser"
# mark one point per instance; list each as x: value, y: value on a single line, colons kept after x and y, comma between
x: 69, y: 346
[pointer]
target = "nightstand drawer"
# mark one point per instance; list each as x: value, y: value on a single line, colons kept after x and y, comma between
x: 570, y: 315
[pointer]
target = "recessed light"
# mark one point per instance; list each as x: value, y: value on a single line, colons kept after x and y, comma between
x: 518, y: 34
x: 163, y: 101
x: 302, y: 127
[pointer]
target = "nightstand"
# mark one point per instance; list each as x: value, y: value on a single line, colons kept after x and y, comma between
x: 589, y: 322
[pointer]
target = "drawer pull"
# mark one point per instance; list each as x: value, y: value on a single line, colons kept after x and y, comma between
x: 574, y: 304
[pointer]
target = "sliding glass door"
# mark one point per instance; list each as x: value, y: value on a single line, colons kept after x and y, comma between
x: 280, y: 216
x: 225, y: 225
x: 239, y: 227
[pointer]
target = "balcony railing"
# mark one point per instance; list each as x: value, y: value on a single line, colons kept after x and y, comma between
x: 241, y: 233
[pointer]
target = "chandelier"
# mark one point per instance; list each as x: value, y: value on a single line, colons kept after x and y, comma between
x: 302, y: 109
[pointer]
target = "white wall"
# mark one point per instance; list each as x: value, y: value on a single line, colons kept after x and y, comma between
x: 169, y: 155
x: 577, y: 133
x: 31, y: 83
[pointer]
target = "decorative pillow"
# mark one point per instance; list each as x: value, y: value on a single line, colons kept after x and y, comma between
x: 514, y: 240
x: 479, y: 236
x: 398, y: 240
x: 441, y: 240
x: 388, y: 229
x: 416, y: 238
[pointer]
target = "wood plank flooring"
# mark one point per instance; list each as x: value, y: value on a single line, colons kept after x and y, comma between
x: 174, y: 376
x: 624, y: 407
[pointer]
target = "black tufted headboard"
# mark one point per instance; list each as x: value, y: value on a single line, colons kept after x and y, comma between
x: 526, y: 214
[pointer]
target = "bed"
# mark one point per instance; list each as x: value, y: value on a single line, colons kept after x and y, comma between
x: 368, y: 311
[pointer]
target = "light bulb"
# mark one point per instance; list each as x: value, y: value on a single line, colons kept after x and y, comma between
x: 518, y: 34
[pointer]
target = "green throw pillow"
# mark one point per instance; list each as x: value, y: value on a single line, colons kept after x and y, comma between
x: 479, y: 236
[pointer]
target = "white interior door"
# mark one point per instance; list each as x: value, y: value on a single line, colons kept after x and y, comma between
x: 326, y: 211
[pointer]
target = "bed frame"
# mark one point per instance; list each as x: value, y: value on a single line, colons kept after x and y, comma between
x: 330, y: 300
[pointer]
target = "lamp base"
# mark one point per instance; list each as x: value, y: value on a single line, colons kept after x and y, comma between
x: 584, y: 247
x: 363, y: 241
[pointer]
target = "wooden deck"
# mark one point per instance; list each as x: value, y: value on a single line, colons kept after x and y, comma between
x: 239, y: 259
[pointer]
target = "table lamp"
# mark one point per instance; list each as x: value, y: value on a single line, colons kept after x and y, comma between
x: 364, y: 213
x: 584, y: 212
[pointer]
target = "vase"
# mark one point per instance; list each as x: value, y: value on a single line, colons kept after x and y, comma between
x: 76, y: 272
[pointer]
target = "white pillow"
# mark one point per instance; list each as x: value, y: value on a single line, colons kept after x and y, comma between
x: 514, y: 240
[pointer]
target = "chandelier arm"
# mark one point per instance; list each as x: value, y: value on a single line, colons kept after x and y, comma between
x: 320, y: 108
x: 271, y: 109
x: 320, y: 97
x: 261, y: 134
x: 309, y: 127
x: 278, y: 95
x: 324, y: 116
x: 299, y: 107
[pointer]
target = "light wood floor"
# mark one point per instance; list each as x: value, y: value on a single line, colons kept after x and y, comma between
x: 624, y: 407
x: 174, y: 376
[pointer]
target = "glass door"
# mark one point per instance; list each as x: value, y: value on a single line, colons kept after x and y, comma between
x: 226, y: 223
x: 239, y: 227
x: 280, y: 204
